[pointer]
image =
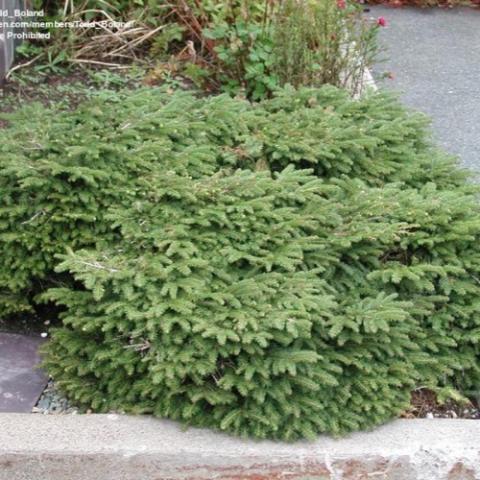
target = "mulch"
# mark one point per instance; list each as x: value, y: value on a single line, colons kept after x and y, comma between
x: 424, y: 404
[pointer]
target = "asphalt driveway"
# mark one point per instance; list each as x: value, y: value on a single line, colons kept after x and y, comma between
x: 434, y: 57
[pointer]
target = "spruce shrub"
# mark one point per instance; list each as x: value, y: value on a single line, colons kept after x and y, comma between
x: 374, y: 138
x: 273, y: 270
x: 207, y: 312
x: 60, y: 171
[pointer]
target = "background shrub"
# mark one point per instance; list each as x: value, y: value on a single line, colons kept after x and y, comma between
x: 247, y: 47
x: 267, y: 301
x: 322, y: 42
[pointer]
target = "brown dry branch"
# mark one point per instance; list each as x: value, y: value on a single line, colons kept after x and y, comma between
x: 119, y: 41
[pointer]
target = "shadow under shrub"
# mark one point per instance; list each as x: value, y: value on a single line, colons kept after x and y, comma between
x: 224, y: 285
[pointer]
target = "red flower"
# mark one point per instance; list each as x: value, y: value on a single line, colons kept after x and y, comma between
x: 381, y: 22
x: 341, y: 4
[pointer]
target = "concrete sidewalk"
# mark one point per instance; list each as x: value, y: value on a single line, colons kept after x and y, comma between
x: 117, y: 447
x: 434, y: 55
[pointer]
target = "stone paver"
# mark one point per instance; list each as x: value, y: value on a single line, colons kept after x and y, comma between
x: 434, y: 55
x: 21, y: 382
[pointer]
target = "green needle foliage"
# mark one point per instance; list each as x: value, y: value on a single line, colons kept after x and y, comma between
x: 60, y: 171
x: 206, y: 312
x: 273, y: 270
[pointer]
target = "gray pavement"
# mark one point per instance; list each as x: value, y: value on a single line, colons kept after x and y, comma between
x: 21, y: 381
x: 434, y: 55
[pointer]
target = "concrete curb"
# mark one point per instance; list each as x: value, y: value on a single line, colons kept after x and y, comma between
x: 118, y: 447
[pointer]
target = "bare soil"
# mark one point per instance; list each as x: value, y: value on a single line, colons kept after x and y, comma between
x: 425, y: 404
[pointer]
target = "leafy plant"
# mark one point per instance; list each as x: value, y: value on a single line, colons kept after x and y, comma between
x: 255, y: 49
x: 54, y: 63
x: 322, y: 42
x: 237, y: 46
x: 244, y: 53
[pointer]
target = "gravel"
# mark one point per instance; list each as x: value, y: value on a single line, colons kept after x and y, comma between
x: 53, y: 402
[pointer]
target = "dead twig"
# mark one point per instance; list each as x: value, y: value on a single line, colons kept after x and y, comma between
x: 22, y: 65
